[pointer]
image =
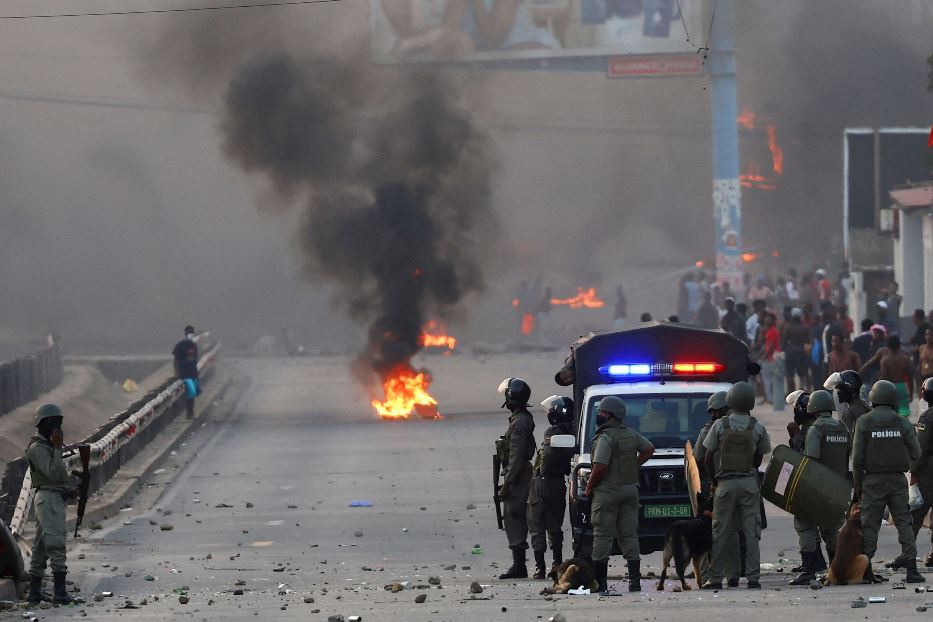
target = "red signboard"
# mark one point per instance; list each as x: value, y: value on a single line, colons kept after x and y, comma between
x: 655, y: 65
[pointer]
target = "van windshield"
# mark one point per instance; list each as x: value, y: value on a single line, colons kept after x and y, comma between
x: 665, y: 420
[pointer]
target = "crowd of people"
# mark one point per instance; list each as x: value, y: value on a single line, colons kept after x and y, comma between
x: 800, y: 332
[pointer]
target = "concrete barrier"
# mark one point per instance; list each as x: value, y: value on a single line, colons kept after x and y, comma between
x: 24, y: 379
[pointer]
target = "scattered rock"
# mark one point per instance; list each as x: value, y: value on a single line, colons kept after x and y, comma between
x: 557, y: 617
x: 183, y: 600
x: 239, y: 582
x: 677, y: 588
x: 292, y: 507
x: 309, y: 599
x: 434, y: 580
x: 395, y: 588
x: 166, y: 527
x: 149, y: 577
x: 470, y: 506
x: 358, y: 533
x: 859, y: 603
x: 153, y: 522
x: 238, y: 592
x: 476, y: 588
x: 249, y: 504
x: 223, y: 505
x: 816, y: 584
x: 336, y: 618
x: 450, y: 567
x: 420, y: 598
x: 279, y: 569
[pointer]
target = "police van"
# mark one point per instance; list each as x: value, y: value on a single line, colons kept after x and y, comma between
x: 664, y: 373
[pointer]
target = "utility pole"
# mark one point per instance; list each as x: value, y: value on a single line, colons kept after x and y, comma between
x: 727, y: 194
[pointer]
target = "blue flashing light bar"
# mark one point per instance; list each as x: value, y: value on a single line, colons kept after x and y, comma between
x: 628, y: 369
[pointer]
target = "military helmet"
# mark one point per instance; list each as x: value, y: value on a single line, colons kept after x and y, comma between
x: 926, y: 391
x: 741, y: 397
x: 613, y: 405
x: 716, y: 401
x: 46, y: 411
x: 883, y: 393
x: 820, y: 402
x: 516, y: 392
x: 847, y: 383
x: 559, y: 409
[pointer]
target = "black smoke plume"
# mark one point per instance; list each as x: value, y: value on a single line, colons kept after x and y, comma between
x: 392, y: 177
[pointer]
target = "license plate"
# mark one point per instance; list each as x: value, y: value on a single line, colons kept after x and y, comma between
x: 681, y: 510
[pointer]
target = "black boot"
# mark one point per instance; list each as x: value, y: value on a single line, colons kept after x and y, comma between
x: 558, y: 553
x: 518, y: 569
x: 869, y: 576
x: 634, y: 576
x: 60, y: 593
x: 601, y: 570
x: 540, y: 570
x: 807, y: 574
x: 36, y: 595
x: 929, y: 561
x: 898, y: 564
x: 912, y: 575
x: 819, y: 562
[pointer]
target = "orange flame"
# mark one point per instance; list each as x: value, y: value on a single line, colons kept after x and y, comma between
x: 528, y: 323
x: 747, y: 119
x: 432, y: 336
x: 749, y: 257
x: 406, y: 393
x: 777, y: 154
x: 584, y: 298
x: 752, y: 178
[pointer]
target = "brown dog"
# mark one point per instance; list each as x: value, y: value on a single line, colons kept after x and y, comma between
x: 849, y: 565
x: 570, y: 574
x: 687, y: 540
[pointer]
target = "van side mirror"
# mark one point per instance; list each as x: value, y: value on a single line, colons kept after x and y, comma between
x: 562, y: 441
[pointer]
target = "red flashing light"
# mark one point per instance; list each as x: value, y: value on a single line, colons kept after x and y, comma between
x: 698, y: 368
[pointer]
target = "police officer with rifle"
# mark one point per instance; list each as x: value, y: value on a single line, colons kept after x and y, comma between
x: 515, y: 450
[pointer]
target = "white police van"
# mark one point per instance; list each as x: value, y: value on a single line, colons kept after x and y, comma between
x: 665, y: 374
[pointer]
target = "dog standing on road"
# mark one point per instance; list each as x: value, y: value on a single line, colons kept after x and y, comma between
x: 849, y: 565
x: 688, y: 539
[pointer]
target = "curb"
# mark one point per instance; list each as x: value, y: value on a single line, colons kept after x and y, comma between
x: 111, y: 506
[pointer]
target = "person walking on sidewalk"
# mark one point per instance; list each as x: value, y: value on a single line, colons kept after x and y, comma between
x: 185, y: 354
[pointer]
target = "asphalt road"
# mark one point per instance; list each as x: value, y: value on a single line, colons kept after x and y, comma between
x: 259, y: 501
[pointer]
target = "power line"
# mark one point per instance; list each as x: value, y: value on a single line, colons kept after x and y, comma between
x: 255, y: 5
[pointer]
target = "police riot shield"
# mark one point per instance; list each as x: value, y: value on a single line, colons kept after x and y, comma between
x: 805, y: 488
x: 692, y: 473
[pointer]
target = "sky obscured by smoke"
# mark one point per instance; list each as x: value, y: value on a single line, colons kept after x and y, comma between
x: 122, y: 223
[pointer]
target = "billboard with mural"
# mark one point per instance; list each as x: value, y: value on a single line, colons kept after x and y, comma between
x: 489, y: 30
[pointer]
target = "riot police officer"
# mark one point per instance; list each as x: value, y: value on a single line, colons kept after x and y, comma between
x: 515, y: 449
x: 827, y: 442
x: 797, y: 429
x: 717, y: 408
x: 923, y: 472
x: 618, y: 452
x: 848, y: 387
x: 547, y: 499
x: 885, y: 446
x: 53, y: 484
x: 735, y: 446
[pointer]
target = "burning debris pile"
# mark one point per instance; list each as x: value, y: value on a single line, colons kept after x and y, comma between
x: 392, y: 177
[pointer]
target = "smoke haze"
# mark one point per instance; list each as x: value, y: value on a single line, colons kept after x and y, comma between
x: 123, y: 223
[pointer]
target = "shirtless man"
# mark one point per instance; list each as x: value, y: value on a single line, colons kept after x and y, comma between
x: 840, y: 357
x: 926, y: 356
x: 897, y: 367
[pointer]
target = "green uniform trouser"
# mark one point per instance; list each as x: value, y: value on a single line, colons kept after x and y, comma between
x: 810, y: 535
x: 736, y: 506
x: 732, y: 566
x: 515, y: 510
x: 49, y: 544
x: 547, y: 504
x: 880, y: 490
x: 615, y: 516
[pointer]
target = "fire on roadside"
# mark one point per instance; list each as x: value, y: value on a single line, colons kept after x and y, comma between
x: 586, y: 297
x: 406, y: 394
x: 433, y: 335
x: 528, y: 323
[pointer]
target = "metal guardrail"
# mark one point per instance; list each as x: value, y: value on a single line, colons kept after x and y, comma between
x: 113, y: 444
x: 24, y: 379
